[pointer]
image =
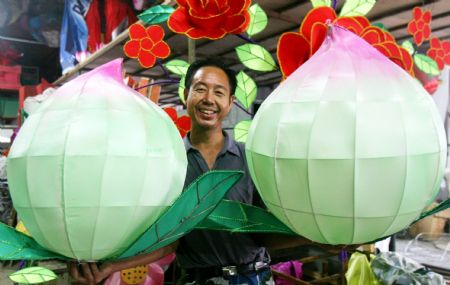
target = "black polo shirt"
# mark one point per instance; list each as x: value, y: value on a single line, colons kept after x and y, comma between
x: 203, y: 248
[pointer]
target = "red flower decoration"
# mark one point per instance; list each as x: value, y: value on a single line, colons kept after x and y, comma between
x: 440, y: 52
x: 432, y: 86
x: 296, y: 48
x: 146, y: 44
x: 385, y: 43
x: 419, y: 26
x: 428, y: 81
x: 211, y: 19
x: 183, y: 123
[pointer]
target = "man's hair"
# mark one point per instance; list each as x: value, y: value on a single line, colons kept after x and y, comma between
x: 196, y: 65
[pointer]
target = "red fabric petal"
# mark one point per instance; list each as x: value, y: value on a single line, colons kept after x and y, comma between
x: 372, y: 36
x: 388, y: 37
x: 417, y: 13
x: 446, y: 46
x: 420, y: 24
x: 426, y: 32
x: 172, y: 113
x: 234, y: 23
x: 244, y: 26
x: 161, y: 50
x: 292, y: 51
x: 223, y: 5
x: 155, y: 33
x: 432, y: 53
x: 427, y: 16
x: 178, y: 21
x: 184, y: 123
x: 440, y: 63
x: 418, y: 38
x: 363, y: 21
x: 195, y: 6
x: 440, y: 53
x: 435, y: 43
x: 412, y: 28
x: 137, y: 31
x: 146, y: 44
x: 215, y: 34
x: 381, y: 48
x: 208, y: 23
x: 320, y: 14
x: 392, y: 51
x: 398, y: 61
x: 237, y: 6
x: 431, y: 86
x: 447, y: 59
x: 146, y: 59
x: 213, y: 7
x: 393, y: 48
x: 318, y: 34
x: 407, y: 59
x: 203, y: 14
x: 131, y: 48
x: 350, y: 23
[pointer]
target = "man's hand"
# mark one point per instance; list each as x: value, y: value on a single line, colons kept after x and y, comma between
x: 89, y: 273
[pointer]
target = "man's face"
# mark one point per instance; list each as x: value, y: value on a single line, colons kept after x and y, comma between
x: 208, y: 98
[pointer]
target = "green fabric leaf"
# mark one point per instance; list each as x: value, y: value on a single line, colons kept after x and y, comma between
x: 181, y: 89
x: 177, y: 66
x: 318, y: 3
x: 255, y: 57
x: 33, y: 275
x: 258, y: 20
x: 15, y: 245
x: 380, y: 25
x: 408, y: 46
x: 242, y: 218
x: 357, y: 7
x: 441, y: 207
x: 246, y: 89
x: 156, y: 14
x: 426, y: 64
x: 194, y: 205
x: 241, y: 130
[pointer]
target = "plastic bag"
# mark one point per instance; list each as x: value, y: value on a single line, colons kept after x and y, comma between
x: 359, y: 271
x: 393, y: 268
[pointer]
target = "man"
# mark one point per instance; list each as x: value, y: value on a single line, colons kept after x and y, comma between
x: 209, y: 257
x: 216, y: 255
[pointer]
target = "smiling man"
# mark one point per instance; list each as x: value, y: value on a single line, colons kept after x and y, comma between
x: 214, y: 257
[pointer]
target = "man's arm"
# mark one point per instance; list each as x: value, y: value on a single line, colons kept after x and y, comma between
x: 91, y: 273
x: 274, y: 242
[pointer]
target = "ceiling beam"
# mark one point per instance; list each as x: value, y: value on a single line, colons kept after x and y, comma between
x: 435, y: 17
x: 402, y: 9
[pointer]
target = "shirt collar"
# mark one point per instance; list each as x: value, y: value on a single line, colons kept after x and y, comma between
x: 229, y: 145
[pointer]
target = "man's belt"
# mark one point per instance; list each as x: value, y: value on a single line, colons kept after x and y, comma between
x: 246, y: 268
x: 227, y: 271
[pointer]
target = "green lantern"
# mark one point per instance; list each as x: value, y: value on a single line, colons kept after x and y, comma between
x: 95, y: 166
x: 349, y: 148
